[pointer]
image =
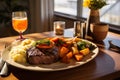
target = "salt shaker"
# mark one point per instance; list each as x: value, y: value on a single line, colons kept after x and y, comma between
x: 77, y: 28
x: 80, y: 29
x: 83, y: 30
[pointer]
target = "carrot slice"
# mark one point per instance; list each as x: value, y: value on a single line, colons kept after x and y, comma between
x: 78, y: 57
x: 69, y: 55
x: 63, y: 51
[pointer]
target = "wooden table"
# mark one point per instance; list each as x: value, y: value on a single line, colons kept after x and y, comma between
x: 106, y: 66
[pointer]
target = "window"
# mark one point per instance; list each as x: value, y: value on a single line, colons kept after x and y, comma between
x: 66, y: 6
x: 109, y: 13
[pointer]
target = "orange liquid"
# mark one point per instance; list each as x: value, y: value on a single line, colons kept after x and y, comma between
x: 20, y: 25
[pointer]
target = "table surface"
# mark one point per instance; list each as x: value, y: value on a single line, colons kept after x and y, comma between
x: 106, y: 66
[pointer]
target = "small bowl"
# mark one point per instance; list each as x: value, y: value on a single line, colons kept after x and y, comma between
x: 99, y: 31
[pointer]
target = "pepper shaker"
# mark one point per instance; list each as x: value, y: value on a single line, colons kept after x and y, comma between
x: 77, y: 29
x: 83, y: 30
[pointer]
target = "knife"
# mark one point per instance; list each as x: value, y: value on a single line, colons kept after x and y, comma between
x: 1, y: 64
x: 3, y: 68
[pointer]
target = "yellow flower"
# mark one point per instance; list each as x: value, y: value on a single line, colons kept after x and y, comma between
x: 94, y: 4
x: 86, y: 3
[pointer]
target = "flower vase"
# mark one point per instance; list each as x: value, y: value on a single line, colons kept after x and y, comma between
x: 93, y: 17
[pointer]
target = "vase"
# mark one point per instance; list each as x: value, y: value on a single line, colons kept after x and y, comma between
x: 94, y: 17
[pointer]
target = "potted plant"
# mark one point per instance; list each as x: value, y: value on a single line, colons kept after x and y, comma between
x: 94, y: 16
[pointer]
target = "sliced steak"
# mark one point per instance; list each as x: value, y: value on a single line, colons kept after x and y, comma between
x: 42, y: 56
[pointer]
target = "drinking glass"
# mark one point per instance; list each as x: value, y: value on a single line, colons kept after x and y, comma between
x: 19, y: 22
x: 59, y: 27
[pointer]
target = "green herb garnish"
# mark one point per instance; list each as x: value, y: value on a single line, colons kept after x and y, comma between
x: 43, y: 41
x: 82, y: 45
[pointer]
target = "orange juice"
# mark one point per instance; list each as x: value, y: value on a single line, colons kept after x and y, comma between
x: 19, y: 24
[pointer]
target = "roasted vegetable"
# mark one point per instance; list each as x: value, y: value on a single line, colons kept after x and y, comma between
x: 68, y: 48
x: 75, y: 50
x: 78, y: 57
x: 85, y: 51
x: 91, y: 47
x: 82, y: 45
x: 44, y: 43
x: 63, y: 51
x: 58, y: 41
x: 69, y: 55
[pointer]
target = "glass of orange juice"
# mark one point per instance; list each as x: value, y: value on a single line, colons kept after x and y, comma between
x: 19, y: 22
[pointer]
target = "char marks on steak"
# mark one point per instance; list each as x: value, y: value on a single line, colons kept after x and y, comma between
x: 42, y: 56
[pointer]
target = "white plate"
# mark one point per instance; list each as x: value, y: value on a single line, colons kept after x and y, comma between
x: 51, y: 67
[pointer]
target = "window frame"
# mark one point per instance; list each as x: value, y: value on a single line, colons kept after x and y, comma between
x: 112, y: 27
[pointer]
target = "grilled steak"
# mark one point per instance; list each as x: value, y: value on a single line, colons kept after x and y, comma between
x: 42, y: 56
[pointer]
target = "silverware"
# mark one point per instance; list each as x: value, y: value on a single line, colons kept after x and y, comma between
x: 3, y: 67
x: 83, y: 30
x: 1, y: 64
x: 77, y: 27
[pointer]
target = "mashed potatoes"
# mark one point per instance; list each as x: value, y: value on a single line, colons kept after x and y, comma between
x: 19, y: 48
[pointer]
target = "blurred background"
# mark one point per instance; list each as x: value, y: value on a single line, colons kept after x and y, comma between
x: 42, y: 14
